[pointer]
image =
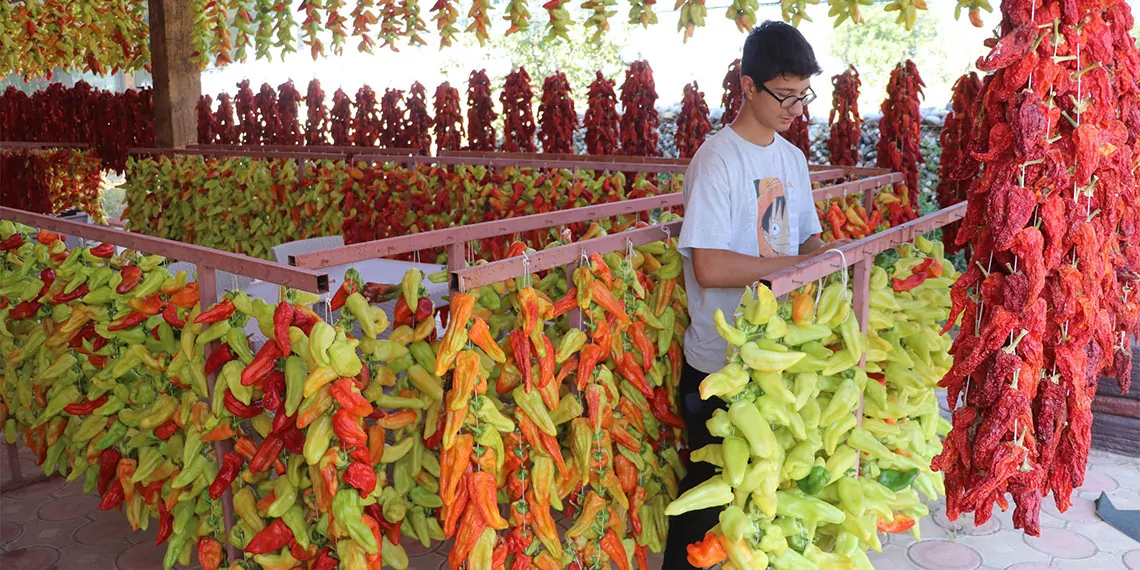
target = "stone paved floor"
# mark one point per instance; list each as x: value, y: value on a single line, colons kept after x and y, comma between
x: 51, y: 525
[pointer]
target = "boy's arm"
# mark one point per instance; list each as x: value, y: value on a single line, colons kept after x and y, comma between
x: 721, y: 268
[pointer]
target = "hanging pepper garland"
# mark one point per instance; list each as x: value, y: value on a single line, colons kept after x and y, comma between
x: 845, y: 122
x: 448, y: 122
x: 693, y: 122
x: 317, y: 117
x: 954, y: 140
x: 392, y: 120
x: 288, y: 110
x: 110, y: 122
x: 205, y: 120
x: 733, y: 98
x: 639, y: 118
x: 799, y: 134
x: 602, y: 117
x: 899, y: 135
x: 340, y: 119
x: 268, y: 120
x: 446, y: 15
x: 518, y: 112
x: 417, y: 131
x: 480, y: 112
x: 247, y: 123
x: 366, y: 124
x: 225, y: 129
x: 556, y: 115
x: 1047, y: 304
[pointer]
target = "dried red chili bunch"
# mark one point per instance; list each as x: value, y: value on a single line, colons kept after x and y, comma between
x: 693, y: 122
x: 518, y: 112
x: 845, y: 123
x: 448, y: 122
x: 288, y: 110
x: 899, y: 128
x: 391, y: 132
x: 317, y: 119
x: 340, y: 121
x: 954, y: 140
x: 556, y: 115
x: 480, y: 112
x: 799, y: 134
x: 1045, y: 303
x: 733, y: 97
x: 205, y: 120
x: 419, y: 122
x: 225, y: 130
x: 248, y: 125
x: 269, y: 120
x: 366, y: 123
x: 602, y: 117
x: 639, y: 118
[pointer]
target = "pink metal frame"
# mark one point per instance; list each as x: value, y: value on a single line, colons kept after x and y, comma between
x: 208, y: 262
x: 298, y: 154
x: 863, y: 250
x: 23, y: 145
x: 295, y: 277
x: 497, y: 271
x: 486, y: 230
x: 349, y: 150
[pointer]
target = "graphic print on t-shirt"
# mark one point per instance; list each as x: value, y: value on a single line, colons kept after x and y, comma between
x: 773, y: 234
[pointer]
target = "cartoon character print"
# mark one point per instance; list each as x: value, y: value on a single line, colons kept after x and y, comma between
x: 772, y: 229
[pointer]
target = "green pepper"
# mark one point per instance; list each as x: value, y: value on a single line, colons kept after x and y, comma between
x: 535, y: 409
x: 736, y: 454
x: 150, y: 459
x: 712, y: 453
x: 747, y: 419
x: 736, y: 525
x: 388, y: 401
x: 724, y: 383
x: 114, y: 434
x: 486, y: 411
x: 347, y: 510
x: 294, y: 518
x: 239, y: 344
x: 713, y: 492
x: 720, y: 425
x: 343, y: 358
x: 897, y: 480
x: 851, y: 496
x: 295, y: 375
x: 285, y: 497
x: 318, y: 437
x: 418, y: 521
x: 814, y: 482
x: 835, y: 431
x: 808, y: 509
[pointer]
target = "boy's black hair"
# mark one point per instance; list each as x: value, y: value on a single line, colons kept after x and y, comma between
x: 776, y: 48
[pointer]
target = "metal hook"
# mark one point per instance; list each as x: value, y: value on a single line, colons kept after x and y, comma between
x: 628, y: 248
x: 668, y: 235
x: 526, y: 269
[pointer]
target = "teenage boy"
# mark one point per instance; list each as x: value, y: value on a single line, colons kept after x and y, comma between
x: 748, y: 213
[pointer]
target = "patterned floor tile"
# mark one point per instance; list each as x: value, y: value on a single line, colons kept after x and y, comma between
x: 67, y: 508
x: 1131, y: 559
x: 890, y: 557
x: 1003, y: 548
x: 1062, y: 544
x: 944, y: 555
x: 1106, y: 538
x: 144, y: 556
x: 83, y: 556
x: 1031, y: 566
x: 9, y: 531
x: 41, y: 491
x: 104, y: 529
x: 964, y: 524
x: 1096, y: 482
x: 45, y: 533
x: 30, y: 558
x: 1081, y: 511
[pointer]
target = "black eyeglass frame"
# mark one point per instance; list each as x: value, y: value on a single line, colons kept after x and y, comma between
x: 806, y: 98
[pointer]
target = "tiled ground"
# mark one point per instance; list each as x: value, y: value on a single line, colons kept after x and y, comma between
x: 51, y: 525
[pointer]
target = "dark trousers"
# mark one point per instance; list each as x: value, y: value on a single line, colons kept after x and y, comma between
x: 691, y: 527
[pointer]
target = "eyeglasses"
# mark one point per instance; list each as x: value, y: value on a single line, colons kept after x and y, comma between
x: 790, y: 101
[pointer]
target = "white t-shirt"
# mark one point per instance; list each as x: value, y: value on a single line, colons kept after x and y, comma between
x: 744, y: 198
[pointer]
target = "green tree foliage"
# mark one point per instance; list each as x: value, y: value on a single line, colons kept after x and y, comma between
x: 879, y: 44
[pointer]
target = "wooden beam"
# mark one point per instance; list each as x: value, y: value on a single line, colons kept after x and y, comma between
x: 177, y: 80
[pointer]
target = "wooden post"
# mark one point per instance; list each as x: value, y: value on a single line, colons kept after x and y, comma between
x: 177, y: 80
